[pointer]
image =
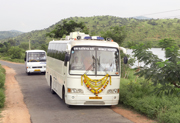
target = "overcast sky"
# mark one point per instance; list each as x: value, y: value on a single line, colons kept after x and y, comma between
x: 29, y: 15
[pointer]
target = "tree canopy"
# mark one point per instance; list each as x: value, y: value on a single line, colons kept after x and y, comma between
x: 165, y: 73
x: 118, y: 34
x: 66, y: 28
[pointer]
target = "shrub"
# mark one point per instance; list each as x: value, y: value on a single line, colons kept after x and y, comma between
x: 171, y: 115
x: 15, y: 52
x: 139, y: 96
x: 2, y: 81
x: 2, y: 98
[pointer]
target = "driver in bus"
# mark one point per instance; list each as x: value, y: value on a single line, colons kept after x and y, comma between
x: 42, y: 56
x: 77, y: 64
x: 30, y: 56
x: 107, y: 65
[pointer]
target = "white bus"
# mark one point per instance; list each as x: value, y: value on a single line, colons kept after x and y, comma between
x: 84, y: 72
x: 35, y: 61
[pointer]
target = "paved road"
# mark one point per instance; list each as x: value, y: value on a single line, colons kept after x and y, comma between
x: 45, y: 107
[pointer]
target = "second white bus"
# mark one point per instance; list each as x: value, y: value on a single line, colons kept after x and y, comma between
x: 35, y: 61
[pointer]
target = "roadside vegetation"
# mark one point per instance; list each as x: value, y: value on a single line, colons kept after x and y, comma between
x: 10, y: 52
x: 153, y: 89
x: 138, y: 94
x: 2, y: 81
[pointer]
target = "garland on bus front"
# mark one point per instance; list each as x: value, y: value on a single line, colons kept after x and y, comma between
x: 96, y: 86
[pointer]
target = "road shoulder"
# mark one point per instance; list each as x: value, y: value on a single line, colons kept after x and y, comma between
x: 133, y: 116
x: 15, y: 110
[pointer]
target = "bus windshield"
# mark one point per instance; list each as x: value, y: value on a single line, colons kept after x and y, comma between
x: 94, y: 61
x: 36, y: 57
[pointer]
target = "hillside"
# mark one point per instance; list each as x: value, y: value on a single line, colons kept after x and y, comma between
x: 9, y: 34
x: 137, y: 30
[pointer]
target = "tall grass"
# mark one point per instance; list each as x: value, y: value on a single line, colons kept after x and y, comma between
x: 138, y: 94
x: 12, y: 60
x: 2, y: 81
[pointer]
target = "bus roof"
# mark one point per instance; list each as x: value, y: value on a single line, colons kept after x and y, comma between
x: 35, y: 51
x: 87, y: 43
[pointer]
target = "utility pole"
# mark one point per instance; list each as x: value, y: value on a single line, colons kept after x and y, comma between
x: 29, y: 44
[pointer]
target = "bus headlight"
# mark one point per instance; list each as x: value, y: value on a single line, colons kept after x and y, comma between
x: 74, y: 90
x: 109, y: 91
x: 113, y: 91
x: 80, y: 91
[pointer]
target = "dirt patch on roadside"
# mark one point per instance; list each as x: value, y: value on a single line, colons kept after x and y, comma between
x: 15, y: 110
x: 135, y: 117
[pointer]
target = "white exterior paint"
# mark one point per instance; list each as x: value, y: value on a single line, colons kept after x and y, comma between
x: 59, y: 78
x: 36, y: 64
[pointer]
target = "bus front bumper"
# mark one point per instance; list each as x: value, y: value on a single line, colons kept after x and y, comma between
x: 38, y: 70
x: 110, y: 99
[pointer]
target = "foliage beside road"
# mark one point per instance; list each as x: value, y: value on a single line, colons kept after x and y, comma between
x: 2, y: 81
x: 12, y: 60
x: 137, y: 94
x: 154, y: 88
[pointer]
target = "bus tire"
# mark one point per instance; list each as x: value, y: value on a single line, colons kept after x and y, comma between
x: 64, y: 98
x: 69, y: 106
x: 52, y: 91
x: 63, y: 95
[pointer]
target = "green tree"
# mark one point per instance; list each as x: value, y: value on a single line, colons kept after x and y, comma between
x: 15, y: 52
x: 7, y: 46
x: 66, y: 28
x: 1, y: 45
x: 117, y: 33
x: 165, y: 73
x: 12, y: 42
x: 44, y: 47
x: 24, y: 45
x: 2, y: 48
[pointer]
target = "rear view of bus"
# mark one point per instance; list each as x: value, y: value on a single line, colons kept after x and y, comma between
x: 84, y: 70
x: 35, y: 61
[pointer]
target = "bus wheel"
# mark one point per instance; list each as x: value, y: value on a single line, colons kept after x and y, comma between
x: 69, y: 106
x: 63, y: 95
x: 64, y: 98
x: 52, y: 91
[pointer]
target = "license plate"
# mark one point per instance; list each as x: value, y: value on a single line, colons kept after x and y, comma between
x: 95, y: 97
x: 37, y: 70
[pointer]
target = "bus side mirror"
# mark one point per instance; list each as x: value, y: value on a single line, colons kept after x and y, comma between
x: 24, y: 59
x: 67, y: 57
x: 125, y: 60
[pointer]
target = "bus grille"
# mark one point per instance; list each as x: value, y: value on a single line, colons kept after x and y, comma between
x: 94, y: 103
x: 37, y: 67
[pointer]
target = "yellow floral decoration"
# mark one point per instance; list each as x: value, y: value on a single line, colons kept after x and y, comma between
x: 96, y: 86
